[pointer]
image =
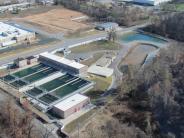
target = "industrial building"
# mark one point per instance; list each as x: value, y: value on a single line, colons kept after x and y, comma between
x: 71, y: 105
x: 45, y: 2
x: 11, y: 7
x: 101, y: 68
x: 146, y: 2
x: 50, y: 84
x: 107, y: 26
x: 63, y: 63
x: 11, y: 35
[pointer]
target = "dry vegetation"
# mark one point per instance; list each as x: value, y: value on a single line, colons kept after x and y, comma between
x: 170, y: 25
x: 125, y: 15
x: 138, y: 54
x: 16, y: 123
x: 149, y: 102
x: 57, y: 20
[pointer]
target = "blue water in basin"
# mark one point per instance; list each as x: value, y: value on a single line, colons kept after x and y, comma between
x: 138, y: 36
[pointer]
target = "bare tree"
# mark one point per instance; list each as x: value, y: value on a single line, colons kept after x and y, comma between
x: 112, y: 35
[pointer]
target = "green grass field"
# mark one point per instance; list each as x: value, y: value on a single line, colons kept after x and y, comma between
x: 96, y: 46
x: 84, y: 33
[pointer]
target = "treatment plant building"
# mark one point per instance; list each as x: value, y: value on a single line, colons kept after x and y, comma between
x: 71, y: 105
x: 63, y: 63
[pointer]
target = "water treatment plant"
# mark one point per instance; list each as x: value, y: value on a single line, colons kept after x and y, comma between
x: 66, y: 69
x: 47, y: 84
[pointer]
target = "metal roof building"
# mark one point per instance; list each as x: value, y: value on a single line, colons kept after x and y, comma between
x: 10, y: 34
x: 63, y: 63
x: 71, y: 105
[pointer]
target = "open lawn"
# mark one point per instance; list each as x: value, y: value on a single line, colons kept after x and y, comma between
x: 92, y: 60
x: 96, y: 46
x: 82, y: 33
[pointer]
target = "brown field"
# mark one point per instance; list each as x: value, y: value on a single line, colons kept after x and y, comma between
x: 57, y: 20
x: 138, y: 54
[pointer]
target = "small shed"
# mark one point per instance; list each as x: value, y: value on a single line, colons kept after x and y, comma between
x: 20, y: 62
x: 107, y: 26
x: 31, y: 60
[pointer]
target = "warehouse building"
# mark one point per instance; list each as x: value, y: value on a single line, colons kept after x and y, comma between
x: 61, y: 63
x: 11, y: 35
x: 143, y: 2
x: 151, y: 2
x: 71, y: 105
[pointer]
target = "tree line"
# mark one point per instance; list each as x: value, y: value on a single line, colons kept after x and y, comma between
x: 154, y: 97
x: 168, y: 25
x: 17, y: 123
x: 123, y: 15
x: 149, y: 101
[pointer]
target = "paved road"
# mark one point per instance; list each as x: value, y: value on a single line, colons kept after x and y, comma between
x: 63, y: 44
x: 117, y: 73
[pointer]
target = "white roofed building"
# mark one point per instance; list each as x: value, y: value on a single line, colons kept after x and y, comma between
x: 71, y: 105
x: 63, y: 64
x: 10, y: 34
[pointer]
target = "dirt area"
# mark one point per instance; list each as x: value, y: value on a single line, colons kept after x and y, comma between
x: 137, y: 55
x: 57, y: 20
